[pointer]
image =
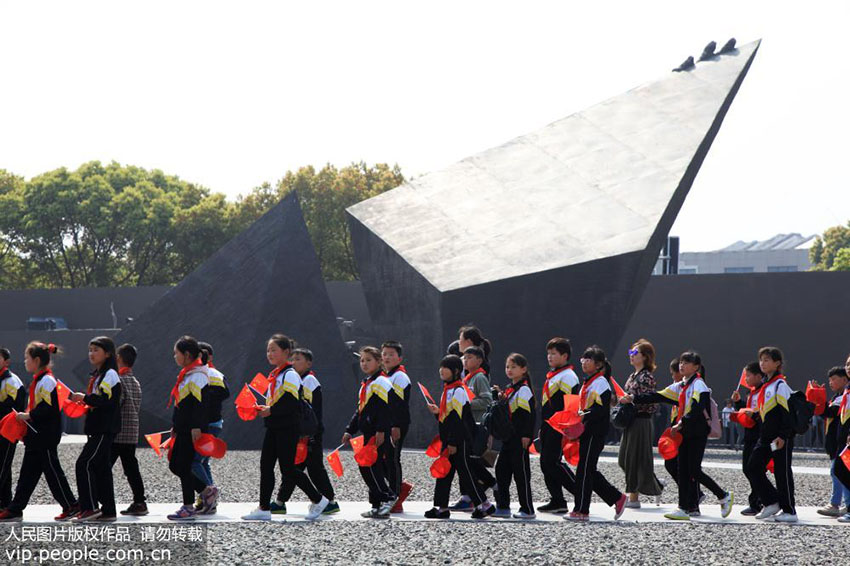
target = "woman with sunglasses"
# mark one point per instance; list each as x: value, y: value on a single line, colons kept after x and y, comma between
x: 635, y: 457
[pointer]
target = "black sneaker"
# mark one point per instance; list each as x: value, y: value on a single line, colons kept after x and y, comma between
x: 484, y: 513
x: 751, y: 511
x: 554, y: 507
x: 136, y: 509
x: 434, y: 513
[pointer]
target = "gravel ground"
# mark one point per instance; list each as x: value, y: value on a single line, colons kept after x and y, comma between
x: 339, y: 542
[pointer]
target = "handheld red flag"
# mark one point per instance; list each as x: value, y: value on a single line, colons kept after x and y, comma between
x: 771, y: 466
x: 63, y: 393
x: 570, y: 448
x: 155, y: 440
x: 743, y: 418
x: 668, y: 444
x: 245, y: 399
x: 368, y: 455
x: 743, y: 381
x: 425, y: 393
x: 533, y: 449
x: 205, y: 445
x: 11, y: 428
x: 435, y: 447
x: 816, y: 395
x: 335, y: 463
x: 75, y: 410
x: 441, y: 466
x: 618, y: 391
x: 301, y: 450
x: 260, y: 383
x: 356, y: 443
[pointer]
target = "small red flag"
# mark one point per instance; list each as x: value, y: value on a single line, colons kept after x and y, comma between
x: 63, y: 393
x: 771, y: 466
x: 435, y: 447
x: 441, y: 466
x: 335, y: 463
x: 743, y: 381
x: 11, y: 428
x: 155, y: 440
x: 425, y: 393
x: 533, y: 450
x: 75, y: 410
x: 260, y: 383
x: 245, y: 399
x: 617, y: 389
x: 357, y: 444
x: 367, y: 455
x: 816, y: 395
x: 301, y: 450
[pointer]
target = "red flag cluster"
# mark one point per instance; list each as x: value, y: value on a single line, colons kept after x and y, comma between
x: 11, y: 428
x: 365, y: 455
x: 817, y: 395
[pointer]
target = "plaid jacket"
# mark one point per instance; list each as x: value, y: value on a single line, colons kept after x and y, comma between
x: 131, y: 401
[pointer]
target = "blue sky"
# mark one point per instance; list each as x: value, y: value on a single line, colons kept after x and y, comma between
x: 230, y: 95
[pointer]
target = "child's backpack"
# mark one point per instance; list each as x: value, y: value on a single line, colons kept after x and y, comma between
x: 716, y: 428
x: 497, y: 420
x: 309, y: 423
x: 801, y: 412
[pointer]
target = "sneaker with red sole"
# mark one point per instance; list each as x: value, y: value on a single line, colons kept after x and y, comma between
x: 67, y: 514
x: 406, y: 488
x: 7, y: 516
x: 576, y: 516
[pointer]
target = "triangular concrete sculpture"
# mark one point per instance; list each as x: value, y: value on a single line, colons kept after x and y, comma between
x: 266, y: 280
x: 554, y: 233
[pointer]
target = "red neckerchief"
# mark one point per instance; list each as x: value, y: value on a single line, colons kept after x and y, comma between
x: 124, y: 371
x: 364, y: 385
x: 582, y: 396
x: 446, y: 386
x: 550, y: 375
x: 273, y: 378
x: 400, y: 367
x: 210, y: 365
x: 92, y: 379
x: 683, y: 400
x: 175, y: 391
x: 35, y: 379
x: 469, y: 376
x: 764, y: 388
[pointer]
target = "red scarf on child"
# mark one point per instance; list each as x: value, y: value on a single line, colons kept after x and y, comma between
x: 35, y: 379
x: 550, y: 375
x: 582, y: 396
x: 175, y: 391
x: 273, y: 378
x: 446, y: 386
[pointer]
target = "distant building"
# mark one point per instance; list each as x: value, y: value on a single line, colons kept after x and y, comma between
x: 781, y: 253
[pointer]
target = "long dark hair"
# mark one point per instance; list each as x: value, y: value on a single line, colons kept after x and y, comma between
x: 597, y: 354
x: 106, y: 344
x: 453, y: 364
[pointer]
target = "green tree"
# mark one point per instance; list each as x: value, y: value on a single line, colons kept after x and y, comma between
x: 825, y: 250
x: 842, y: 260
x: 324, y: 195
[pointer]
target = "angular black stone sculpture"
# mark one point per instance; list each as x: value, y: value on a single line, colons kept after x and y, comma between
x: 266, y: 280
x: 554, y: 233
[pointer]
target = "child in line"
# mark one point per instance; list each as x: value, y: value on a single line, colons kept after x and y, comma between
x: 302, y: 362
x: 217, y: 393
x: 282, y: 419
x: 103, y: 422
x: 841, y: 470
x: 475, y: 379
x: 124, y: 445
x: 13, y: 397
x: 189, y: 420
x: 513, y: 461
x: 835, y: 430
x: 456, y: 426
x: 672, y: 465
x: 44, y: 430
x: 594, y: 407
x: 560, y: 380
x: 373, y: 418
x: 776, y: 441
x: 693, y: 399
x: 391, y: 359
x: 755, y: 379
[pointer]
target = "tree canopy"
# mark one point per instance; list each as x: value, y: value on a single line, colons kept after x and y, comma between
x: 116, y: 225
x: 831, y: 252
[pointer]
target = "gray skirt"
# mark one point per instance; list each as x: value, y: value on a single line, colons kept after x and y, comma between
x: 635, y: 458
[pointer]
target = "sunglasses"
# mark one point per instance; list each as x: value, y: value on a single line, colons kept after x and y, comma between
x: 634, y: 352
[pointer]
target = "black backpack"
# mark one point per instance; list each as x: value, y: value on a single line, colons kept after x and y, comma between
x: 623, y: 415
x: 497, y: 421
x: 801, y: 412
x: 309, y: 423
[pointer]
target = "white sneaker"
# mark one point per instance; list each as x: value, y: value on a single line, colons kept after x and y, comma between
x: 768, y: 511
x: 678, y: 515
x: 844, y: 518
x: 258, y: 515
x: 726, y: 504
x: 316, y: 509
x: 524, y: 515
x: 786, y: 518
x: 632, y: 505
x: 384, y: 510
